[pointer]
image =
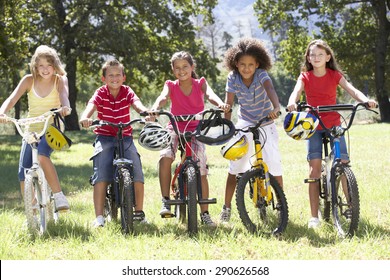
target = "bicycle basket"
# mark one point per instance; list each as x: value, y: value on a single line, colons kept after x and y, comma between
x: 215, y: 132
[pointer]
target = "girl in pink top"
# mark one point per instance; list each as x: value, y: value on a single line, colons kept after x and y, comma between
x: 187, y: 97
x: 319, y: 79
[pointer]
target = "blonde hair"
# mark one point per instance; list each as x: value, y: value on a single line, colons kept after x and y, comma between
x: 51, y: 56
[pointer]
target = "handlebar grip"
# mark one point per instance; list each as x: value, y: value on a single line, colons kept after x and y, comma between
x: 95, y: 122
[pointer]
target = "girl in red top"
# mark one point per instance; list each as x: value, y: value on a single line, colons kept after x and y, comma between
x: 319, y: 79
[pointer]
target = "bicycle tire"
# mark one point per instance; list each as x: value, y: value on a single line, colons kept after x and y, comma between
x: 110, y: 205
x: 192, y: 183
x: 127, y: 200
x: 262, y: 218
x: 30, y: 200
x: 346, y: 203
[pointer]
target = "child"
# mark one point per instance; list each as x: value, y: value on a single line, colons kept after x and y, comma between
x: 47, y: 88
x: 112, y: 103
x: 319, y: 79
x: 187, y: 97
x: 248, y: 80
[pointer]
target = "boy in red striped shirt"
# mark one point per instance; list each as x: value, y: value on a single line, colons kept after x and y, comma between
x: 112, y: 103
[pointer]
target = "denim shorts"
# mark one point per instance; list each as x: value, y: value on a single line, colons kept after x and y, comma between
x: 103, y: 156
x: 314, y: 146
x: 25, y: 160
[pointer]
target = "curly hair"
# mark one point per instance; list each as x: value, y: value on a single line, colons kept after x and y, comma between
x: 331, y: 64
x: 248, y: 46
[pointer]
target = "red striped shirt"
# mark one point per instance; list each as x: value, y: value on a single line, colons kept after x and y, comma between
x: 113, y: 109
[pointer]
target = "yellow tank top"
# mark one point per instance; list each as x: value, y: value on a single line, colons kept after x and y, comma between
x: 38, y: 105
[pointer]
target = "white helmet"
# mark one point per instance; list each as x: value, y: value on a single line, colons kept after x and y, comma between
x: 154, y: 137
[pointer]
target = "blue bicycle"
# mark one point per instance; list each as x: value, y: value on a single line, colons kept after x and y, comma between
x: 338, y: 185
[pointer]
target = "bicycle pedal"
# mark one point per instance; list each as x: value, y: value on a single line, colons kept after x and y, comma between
x: 310, y: 180
x: 166, y: 216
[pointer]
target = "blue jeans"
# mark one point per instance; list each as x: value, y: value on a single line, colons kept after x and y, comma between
x: 314, y: 146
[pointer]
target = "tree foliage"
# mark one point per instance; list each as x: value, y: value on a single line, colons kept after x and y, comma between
x: 141, y: 34
x: 358, y: 32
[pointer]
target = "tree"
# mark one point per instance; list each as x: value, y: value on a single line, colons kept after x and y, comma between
x: 227, y: 39
x: 358, y: 31
x: 142, y: 34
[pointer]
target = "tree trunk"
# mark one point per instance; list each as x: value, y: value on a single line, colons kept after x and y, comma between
x: 72, y: 122
x: 381, y: 46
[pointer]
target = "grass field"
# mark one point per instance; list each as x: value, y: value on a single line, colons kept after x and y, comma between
x: 74, y: 239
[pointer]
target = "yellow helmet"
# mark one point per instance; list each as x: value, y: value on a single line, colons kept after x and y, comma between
x: 236, y: 148
x: 56, y: 139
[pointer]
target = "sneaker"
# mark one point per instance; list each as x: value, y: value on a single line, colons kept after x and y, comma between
x: 139, y: 216
x: 314, y: 222
x: 99, y: 222
x: 60, y: 201
x: 225, y: 214
x: 206, y: 219
x: 166, y: 208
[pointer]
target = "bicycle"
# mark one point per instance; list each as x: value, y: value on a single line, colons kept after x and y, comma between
x: 39, y: 202
x: 186, y: 180
x: 261, y: 202
x: 342, y: 198
x: 120, y: 193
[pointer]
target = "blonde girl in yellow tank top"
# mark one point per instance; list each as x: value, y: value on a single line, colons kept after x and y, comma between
x: 46, y: 88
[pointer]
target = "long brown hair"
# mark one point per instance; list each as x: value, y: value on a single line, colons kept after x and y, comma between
x: 331, y: 64
x: 185, y: 56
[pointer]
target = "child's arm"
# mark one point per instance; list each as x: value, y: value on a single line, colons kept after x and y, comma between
x: 213, y: 98
x: 162, y: 99
x: 271, y: 93
x: 85, y: 119
x: 355, y: 93
x: 295, y: 95
x: 23, y: 86
x: 63, y: 90
x: 229, y: 100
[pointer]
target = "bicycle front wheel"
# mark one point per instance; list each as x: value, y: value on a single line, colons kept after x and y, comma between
x: 191, y: 182
x: 127, y: 200
x: 264, y: 214
x: 31, y: 204
x: 345, y: 202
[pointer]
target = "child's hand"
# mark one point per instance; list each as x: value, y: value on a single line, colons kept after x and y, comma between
x: 3, y: 118
x: 225, y: 107
x: 275, y: 113
x: 291, y: 107
x: 85, y: 122
x: 65, y: 111
x: 372, y: 104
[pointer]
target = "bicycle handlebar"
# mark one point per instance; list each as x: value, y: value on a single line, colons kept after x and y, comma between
x: 27, y: 121
x: 257, y: 125
x: 118, y: 125
x: 185, y: 118
x: 334, y: 108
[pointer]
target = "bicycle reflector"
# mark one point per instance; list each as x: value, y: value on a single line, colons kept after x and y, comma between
x: 300, y: 125
x: 236, y: 148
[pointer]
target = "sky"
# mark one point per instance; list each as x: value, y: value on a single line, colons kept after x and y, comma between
x: 233, y: 13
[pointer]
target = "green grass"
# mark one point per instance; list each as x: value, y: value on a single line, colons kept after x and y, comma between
x: 74, y: 239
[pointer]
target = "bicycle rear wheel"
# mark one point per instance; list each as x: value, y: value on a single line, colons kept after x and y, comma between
x: 261, y: 216
x: 127, y: 200
x: 346, y: 204
x: 192, y: 182
x: 325, y: 198
x: 180, y: 209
